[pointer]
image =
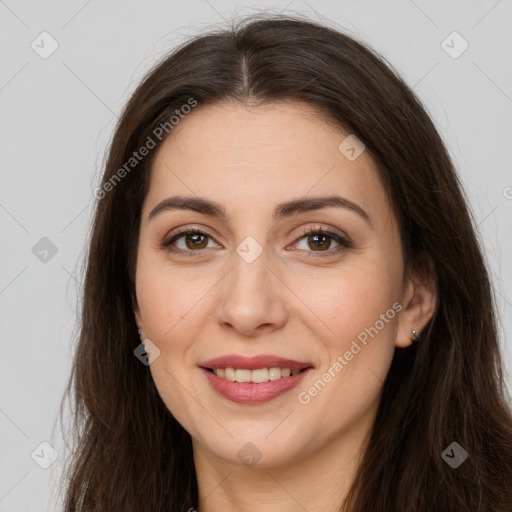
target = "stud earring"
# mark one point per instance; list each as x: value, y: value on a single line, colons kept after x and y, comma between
x: 414, y: 336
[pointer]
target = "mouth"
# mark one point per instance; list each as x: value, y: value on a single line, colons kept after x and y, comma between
x: 253, y: 380
x: 256, y: 376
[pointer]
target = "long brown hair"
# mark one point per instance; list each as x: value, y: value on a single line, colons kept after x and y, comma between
x: 130, y: 454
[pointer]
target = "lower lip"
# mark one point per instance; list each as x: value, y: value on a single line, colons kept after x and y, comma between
x: 250, y: 392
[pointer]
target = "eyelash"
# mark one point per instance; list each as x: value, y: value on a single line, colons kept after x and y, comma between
x: 344, y: 243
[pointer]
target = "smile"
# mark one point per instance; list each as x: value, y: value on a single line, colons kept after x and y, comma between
x: 257, y: 376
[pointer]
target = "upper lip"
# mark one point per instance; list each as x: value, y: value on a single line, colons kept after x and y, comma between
x: 254, y: 362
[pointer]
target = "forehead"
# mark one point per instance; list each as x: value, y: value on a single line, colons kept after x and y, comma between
x: 245, y: 156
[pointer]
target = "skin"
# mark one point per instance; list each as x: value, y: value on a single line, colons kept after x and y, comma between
x: 249, y: 159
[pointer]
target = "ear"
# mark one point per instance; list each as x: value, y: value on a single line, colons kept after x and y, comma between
x: 419, y: 299
x: 136, y: 313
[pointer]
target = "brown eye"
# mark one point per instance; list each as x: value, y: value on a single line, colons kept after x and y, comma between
x: 192, y: 242
x: 187, y: 242
x: 195, y: 241
x: 320, y: 241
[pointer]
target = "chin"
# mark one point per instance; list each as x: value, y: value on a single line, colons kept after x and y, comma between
x: 255, y: 448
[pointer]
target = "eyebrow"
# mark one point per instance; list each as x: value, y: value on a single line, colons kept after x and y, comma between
x: 283, y: 210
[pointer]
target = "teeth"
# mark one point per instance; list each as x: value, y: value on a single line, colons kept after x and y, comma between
x: 243, y: 375
x: 257, y: 376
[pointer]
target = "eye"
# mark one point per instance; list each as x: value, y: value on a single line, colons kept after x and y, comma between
x: 193, y: 242
x: 320, y: 241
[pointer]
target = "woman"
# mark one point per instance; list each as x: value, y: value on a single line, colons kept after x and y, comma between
x: 285, y: 306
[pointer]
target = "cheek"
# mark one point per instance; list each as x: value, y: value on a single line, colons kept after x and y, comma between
x: 350, y: 299
x: 168, y: 300
x: 354, y: 324
x: 171, y: 308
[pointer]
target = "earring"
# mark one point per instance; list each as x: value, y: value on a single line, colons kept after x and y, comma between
x: 414, y: 336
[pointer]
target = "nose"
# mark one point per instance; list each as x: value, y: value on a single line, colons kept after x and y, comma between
x: 252, y: 299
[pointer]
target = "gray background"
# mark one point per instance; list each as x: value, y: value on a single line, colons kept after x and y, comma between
x: 57, y: 116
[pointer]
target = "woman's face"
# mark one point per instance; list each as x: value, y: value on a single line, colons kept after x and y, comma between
x: 255, y: 284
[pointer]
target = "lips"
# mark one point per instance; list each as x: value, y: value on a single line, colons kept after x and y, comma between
x: 252, y: 393
x: 254, y: 362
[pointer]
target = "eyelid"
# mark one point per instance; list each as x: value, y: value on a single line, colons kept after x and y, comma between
x: 325, y: 230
